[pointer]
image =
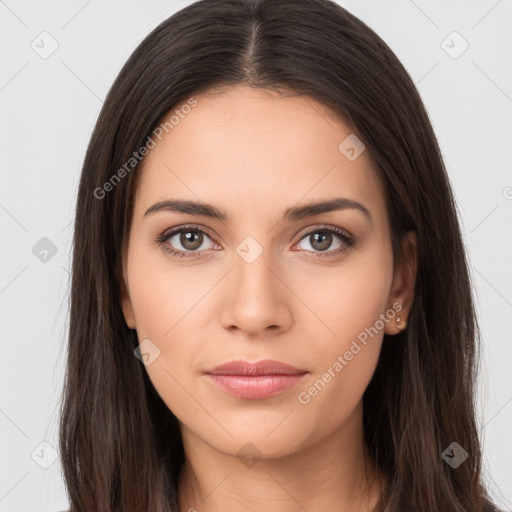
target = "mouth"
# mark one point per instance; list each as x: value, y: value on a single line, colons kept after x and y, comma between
x: 258, y: 380
x: 264, y: 367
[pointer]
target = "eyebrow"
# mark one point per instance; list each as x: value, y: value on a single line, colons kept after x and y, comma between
x: 291, y: 214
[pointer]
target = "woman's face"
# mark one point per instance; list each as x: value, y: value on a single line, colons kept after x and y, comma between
x: 266, y: 281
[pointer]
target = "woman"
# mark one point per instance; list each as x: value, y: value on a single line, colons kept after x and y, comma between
x: 270, y: 305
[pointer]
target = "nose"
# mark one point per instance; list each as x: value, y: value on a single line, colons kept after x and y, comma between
x: 256, y: 298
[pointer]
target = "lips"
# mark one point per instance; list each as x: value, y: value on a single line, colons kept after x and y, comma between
x: 264, y: 367
x: 253, y: 381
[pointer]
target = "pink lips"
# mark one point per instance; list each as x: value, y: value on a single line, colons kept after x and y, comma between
x: 255, y: 380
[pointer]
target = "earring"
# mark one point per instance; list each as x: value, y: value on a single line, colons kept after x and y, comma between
x: 401, y: 324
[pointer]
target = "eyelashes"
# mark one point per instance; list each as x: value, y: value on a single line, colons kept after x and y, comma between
x: 162, y: 239
x: 347, y: 241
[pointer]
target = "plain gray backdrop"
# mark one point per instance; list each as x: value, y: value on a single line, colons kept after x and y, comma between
x: 58, y: 60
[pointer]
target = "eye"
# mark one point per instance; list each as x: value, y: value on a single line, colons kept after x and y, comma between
x: 320, y: 239
x: 191, y: 240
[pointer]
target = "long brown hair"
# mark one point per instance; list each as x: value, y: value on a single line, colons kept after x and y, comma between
x: 120, y: 445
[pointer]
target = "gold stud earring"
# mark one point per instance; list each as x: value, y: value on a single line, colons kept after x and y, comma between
x: 401, y: 324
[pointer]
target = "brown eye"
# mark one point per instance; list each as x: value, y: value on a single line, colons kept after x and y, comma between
x: 325, y: 242
x: 321, y: 240
x: 185, y: 241
x: 191, y: 240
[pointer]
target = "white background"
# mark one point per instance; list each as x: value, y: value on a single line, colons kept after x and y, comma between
x: 48, y: 108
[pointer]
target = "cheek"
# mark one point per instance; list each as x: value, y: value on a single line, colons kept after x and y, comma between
x: 353, y: 307
x: 163, y: 296
x: 163, y: 308
x: 332, y: 396
x: 169, y: 306
x: 348, y: 298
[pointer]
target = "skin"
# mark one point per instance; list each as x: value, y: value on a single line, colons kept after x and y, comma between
x: 253, y: 154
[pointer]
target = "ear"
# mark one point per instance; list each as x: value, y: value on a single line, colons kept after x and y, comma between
x: 404, y: 279
x: 126, y: 303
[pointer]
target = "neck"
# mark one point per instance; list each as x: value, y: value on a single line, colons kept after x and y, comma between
x: 335, y: 470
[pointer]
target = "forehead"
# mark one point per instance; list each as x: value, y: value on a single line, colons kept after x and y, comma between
x: 244, y: 149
